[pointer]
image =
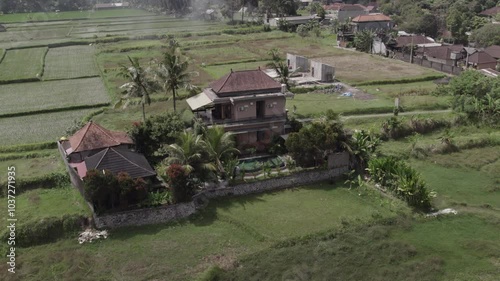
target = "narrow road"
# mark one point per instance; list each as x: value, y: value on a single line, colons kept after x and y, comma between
x: 392, y: 114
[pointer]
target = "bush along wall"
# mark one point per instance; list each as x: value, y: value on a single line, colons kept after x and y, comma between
x: 402, y: 180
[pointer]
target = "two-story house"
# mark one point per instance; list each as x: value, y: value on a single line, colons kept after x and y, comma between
x: 248, y: 103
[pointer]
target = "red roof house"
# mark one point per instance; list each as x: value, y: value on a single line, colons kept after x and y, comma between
x: 371, y: 22
x: 490, y: 12
x: 248, y: 103
x: 92, y: 136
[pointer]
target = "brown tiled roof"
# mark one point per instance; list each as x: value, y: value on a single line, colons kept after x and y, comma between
x: 493, y: 51
x: 439, y: 52
x: 92, y: 136
x: 352, y: 7
x: 481, y: 57
x: 121, y: 160
x: 370, y: 18
x: 491, y: 12
x: 245, y: 81
x: 456, y: 48
x: 407, y: 40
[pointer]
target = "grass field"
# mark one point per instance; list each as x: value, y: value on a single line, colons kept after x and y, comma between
x: 38, y: 128
x: 221, y: 233
x: 35, y: 96
x: 70, y: 62
x: 42, y: 17
x: 22, y: 64
x: 355, y: 67
x: 42, y: 203
x: 33, y: 167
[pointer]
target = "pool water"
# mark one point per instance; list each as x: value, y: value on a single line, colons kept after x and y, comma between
x: 255, y: 164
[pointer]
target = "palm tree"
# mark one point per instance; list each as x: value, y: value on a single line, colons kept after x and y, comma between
x: 139, y: 83
x: 220, y: 146
x: 173, y: 72
x: 279, y: 66
x: 189, y: 151
x: 363, y: 41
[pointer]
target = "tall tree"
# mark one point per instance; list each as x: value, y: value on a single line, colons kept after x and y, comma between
x: 173, y: 71
x: 140, y: 83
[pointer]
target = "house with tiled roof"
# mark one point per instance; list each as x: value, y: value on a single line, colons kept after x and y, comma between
x: 493, y: 51
x: 248, y: 103
x: 343, y: 12
x: 373, y: 22
x: 446, y: 54
x: 95, y: 147
x: 481, y: 60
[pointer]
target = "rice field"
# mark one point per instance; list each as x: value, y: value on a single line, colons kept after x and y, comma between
x: 42, y: 17
x: 22, y: 64
x: 38, y: 128
x: 70, y: 62
x: 36, y: 96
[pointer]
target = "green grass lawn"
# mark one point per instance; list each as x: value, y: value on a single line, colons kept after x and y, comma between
x: 22, y: 64
x: 70, y: 62
x: 35, y: 96
x: 394, y: 90
x: 462, y: 247
x: 39, y: 127
x: 329, y: 206
x: 220, y: 234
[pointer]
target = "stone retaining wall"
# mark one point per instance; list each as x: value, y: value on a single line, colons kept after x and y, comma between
x: 169, y: 213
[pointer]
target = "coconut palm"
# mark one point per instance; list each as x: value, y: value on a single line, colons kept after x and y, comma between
x: 220, y: 146
x: 189, y: 151
x: 279, y: 66
x: 139, y: 84
x: 173, y: 71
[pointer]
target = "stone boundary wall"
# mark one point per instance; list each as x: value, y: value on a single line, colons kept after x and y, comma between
x: 170, y: 213
x: 429, y: 64
x: 73, y: 175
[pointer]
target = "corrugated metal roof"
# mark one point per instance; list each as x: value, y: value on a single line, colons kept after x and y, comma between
x: 199, y: 101
x: 93, y: 136
x: 121, y: 160
x: 245, y: 81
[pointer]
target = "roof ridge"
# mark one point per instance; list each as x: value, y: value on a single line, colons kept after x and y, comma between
x: 225, y: 81
x: 126, y: 159
x: 105, y: 151
x: 86, y: 130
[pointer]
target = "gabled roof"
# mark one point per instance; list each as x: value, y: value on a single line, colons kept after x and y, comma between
x: 491, y: 12
x: 245, y: 81
x: 352, y: 7
x: 493, y: 51
x: 441, y: 52
x: 481, y: 57
x: 408, y: 40
x: 93, y: 136
x: 371, y: 18
x: 120, y: 160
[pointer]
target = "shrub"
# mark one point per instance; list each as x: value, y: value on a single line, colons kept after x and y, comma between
x: 157, y: 131
x: 107, y: 191
x: 402, y: 180
x: 182, y: 190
